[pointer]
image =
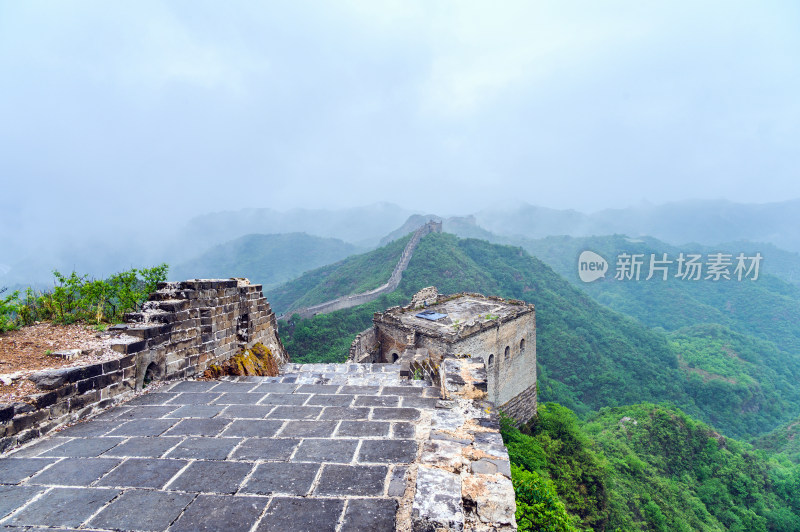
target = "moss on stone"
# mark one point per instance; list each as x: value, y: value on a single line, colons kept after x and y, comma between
x: 258, y: 361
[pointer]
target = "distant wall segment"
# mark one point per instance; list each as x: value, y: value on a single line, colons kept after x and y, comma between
x: 371, y: 295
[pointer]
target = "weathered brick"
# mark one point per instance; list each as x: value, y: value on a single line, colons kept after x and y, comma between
x: 26, y: 421
x: 7, y: 443
x: 80, y: 401
x: 108, y: 379
x: 59, y: 409
x: 6, y: 412
x: 22, y: 408
x: 111, y: 365
x: 43, y: 400
x: 86, y: 385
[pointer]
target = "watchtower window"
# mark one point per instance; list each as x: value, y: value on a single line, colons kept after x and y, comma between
x: 491, y: 360
x: 522, y: 346
x: 395, y: 356
x: 508, y: 352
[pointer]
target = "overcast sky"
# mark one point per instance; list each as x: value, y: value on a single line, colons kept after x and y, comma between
x: 110, y: 110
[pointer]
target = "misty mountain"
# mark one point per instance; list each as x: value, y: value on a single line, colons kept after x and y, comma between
x: 736, y: 369
x: 265, y: 259
x: 104, y: 249
x: 762, y: 308
x: 362, y: 226
x: 703, y: 221
x: 97, y: 259
x: 414, y: 222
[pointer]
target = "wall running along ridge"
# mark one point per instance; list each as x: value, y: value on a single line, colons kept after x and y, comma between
x: 365, y: 297
x: 184, y: 328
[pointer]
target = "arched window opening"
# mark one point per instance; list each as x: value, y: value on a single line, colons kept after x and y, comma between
x: 508, y: 352
x: 150, y: 374
x: 522, y: 346
x: 491, y: 360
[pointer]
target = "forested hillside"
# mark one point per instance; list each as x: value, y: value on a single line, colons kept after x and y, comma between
x: 784, y: 440
x: 644, y: 467
x: 589, y: 356
x: 763, y: 308
x: 352, y: 275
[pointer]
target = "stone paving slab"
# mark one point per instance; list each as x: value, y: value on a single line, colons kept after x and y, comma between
x: 321, y: 447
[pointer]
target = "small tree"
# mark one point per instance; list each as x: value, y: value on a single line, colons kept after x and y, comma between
x: 9, y: 310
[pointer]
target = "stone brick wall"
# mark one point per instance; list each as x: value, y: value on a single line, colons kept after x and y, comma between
x: 508, y: 374
x: 464, y: 474
x: 189, y: 325
x: 365, y: 347
x: 522, y: 407
x: 507, y: 346
x: 183, y: 328
x: 65, y: 395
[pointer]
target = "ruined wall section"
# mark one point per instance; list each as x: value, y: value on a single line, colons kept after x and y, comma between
x: 365, y: 348
x: 390, y: 286
x: 464, y: 473
x: 183, y: 328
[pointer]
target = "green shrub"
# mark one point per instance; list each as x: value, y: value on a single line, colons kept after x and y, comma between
x: 9, y: 310
x: 76, y: 297
x: 538, y: 504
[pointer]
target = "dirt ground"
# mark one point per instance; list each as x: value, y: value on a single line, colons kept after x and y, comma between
x: 26, y: 350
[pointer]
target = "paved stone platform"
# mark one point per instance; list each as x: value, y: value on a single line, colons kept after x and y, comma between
x: 323, y: 447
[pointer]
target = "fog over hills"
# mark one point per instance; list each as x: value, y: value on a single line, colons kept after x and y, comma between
x: 705, y: 222
x: 265, y: 259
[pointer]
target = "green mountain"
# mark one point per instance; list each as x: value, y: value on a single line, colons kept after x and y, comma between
x: 763, y: 308
x: 705, y: 221
x: 352, y: 275
x: 644, y: 467
x: 589, y: 356
x: 732, y: 375
x: 784, y: 440
x: 265, y: 259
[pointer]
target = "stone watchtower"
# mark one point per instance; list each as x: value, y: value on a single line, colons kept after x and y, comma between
x: 500, y: 332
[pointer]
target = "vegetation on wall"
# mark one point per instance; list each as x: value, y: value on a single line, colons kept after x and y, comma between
x: 77, y: 297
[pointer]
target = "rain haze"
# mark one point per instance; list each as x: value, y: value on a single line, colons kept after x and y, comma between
x: 130, y: 118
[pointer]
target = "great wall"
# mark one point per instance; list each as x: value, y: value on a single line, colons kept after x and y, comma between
x: 371, y: 295
x: 372, y: 444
